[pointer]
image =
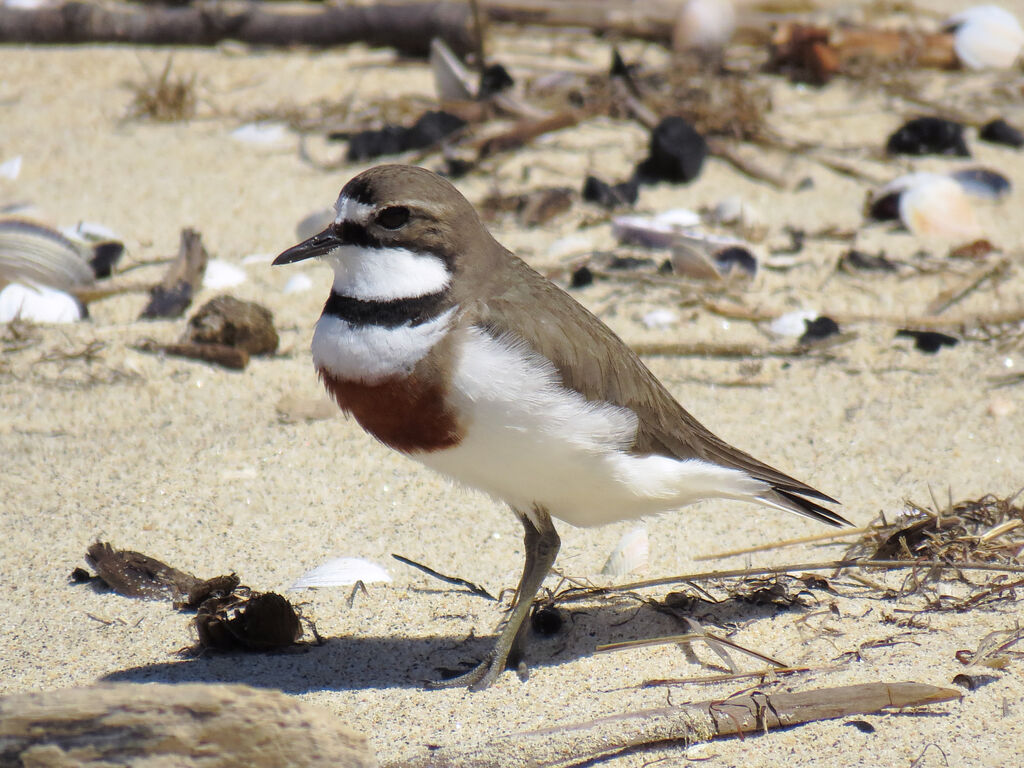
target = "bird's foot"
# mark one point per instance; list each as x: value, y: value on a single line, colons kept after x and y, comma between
x: 485, y: 673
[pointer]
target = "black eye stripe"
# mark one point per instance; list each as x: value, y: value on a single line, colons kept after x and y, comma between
x: 352, y: 233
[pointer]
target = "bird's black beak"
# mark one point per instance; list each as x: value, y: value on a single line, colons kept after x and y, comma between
x: 317, y: 245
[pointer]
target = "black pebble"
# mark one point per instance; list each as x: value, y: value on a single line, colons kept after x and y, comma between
x: 928, y: 341
x: 861, y: 725
x: 610, y: 195
x: 928, y: 136
x: 677, y: 153
x: 866, y: 261
x: 819, y: 328
x: 1001, y: 132
x: 494, y: 79
x: 547, y: 621
x: 582, y: 277
x: 736, y: 258
x: 393, y: 139
x: 104, y: 257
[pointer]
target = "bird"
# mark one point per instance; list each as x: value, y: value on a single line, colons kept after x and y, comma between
x: 448, y: 348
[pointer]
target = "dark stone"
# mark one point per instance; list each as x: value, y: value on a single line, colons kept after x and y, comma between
x: 431, y: 128
x: 928, y: 136
x: 819, y: 328
x: 1001, y: 132
x: 582, y: 277
x: 928, y: 341
x: 677, y: 153
x: 547, y: 621
x: 629, y: 262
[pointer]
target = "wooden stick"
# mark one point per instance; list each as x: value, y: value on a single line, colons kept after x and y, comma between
x: 407, y: 27
x: 784, y: 543
x: 757, y: 713
x: 580, y: 595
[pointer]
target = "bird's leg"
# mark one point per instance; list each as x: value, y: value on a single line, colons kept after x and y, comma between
x: 541, y: 543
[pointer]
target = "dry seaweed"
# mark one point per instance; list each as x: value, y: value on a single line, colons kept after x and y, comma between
x: 165, y: 98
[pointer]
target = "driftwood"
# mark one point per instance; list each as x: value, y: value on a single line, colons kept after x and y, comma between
x: 407, y: 27
x: 703, y: 721
x: 192, y: 726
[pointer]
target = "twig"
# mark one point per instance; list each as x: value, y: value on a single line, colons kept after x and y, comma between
x: 702, y: 721
x: 714, y: 679
x: 948, y: 298
x: 476, y: 589
x: 785, y: 543
x: 687, y: 638
x: 573, y: 596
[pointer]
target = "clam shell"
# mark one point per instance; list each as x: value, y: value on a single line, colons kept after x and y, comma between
x: 704, y: 25
x: 452, y: 80
x: 986, y: 37
x: 630, y: 555
x: 341, y: 572
x: 38, y: 305
x: 37, y: 255
x: 937, y: 206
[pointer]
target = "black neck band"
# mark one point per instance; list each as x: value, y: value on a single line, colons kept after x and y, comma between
x: 387, y: 314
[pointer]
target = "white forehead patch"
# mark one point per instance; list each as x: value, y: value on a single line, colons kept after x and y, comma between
x: 386, y: 274
x: 351, y: 210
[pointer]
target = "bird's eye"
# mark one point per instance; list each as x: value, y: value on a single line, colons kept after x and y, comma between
x: 393, y: 217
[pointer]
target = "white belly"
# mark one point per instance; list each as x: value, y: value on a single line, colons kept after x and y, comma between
x: 531, y: 442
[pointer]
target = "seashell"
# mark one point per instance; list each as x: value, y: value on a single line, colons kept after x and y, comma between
x: 708, y: 257
x: 927, y: 204
x: 794, y: 323
x: 452, y: 80
x: 37, y: 255
x: 38, y: 304
x: 661, y: 231
x: 704, y: 25
x: 221, y: 274
x: 341, y: 572
x: 659, y: 319
x: 986, y: 37
x: 983, y: 183
x: 259, y: 133
x: 937, y: 206
x: 630, y: 555
x: 10, y: 169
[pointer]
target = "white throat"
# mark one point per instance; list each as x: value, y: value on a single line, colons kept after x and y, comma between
x: 386, y: 274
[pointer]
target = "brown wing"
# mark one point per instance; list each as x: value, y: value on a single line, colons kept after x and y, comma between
x: 600, y: 366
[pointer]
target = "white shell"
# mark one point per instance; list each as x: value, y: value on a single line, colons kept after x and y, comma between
x: 704, y: 25
x: 37, y: 255
x: 630, y: 554
x: 10, y: 169
x: 220, y: 274
x: 660, y: 319
x: 259, y: 133
x: 38, y: 305
x: 933, y: 205
x: 341, y: 572
x: 793, y: 324
x: 986, y: 37
x: 452, y: 81
x: 659, y: 231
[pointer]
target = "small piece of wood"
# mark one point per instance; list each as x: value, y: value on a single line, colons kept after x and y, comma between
x: 183, y: 278
x: 195, y: 725
x: 703, y: 721
x: 406, y: 27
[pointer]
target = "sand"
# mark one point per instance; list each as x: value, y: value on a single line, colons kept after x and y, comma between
x: 194, y: 465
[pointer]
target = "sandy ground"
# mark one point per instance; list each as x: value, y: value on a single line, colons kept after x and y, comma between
x: 193, y: 464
